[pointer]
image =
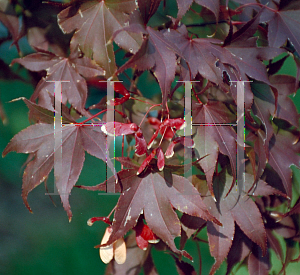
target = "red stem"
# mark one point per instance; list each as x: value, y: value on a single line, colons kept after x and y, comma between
x: 196, y: 95
x: 122, y: 151
x: 156, y: 105
x: 88, y: 119
x: 251, y: 127
x: 255, y: 4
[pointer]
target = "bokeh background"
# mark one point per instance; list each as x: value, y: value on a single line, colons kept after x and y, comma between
x: 45, y: 242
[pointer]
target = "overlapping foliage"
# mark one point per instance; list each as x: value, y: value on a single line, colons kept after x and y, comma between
x: 213, y: 43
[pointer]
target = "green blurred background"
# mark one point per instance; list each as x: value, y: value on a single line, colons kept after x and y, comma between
x: 45, y: 242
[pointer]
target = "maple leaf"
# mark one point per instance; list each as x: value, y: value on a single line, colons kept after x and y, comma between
x: 286, y: 109
x: 222, y: 64
x: 212, y: 138
x: 233, y: 209
x: 61, y: 69
x: 10, y: 20
x: 283, y: 23
x: 257, y: 263
x: 248, y: 56
x: 284, y: 153
x: 202, y: 54
x: 156, y: 53
x: 264, y: 108
x: 94, y: 23
x: 155, y: 195
x: 184, y: 5
x: 184, y: 268
x: 240, y: 249
x: 148, y: 8
x: 38, y: 140
x: 39, y: 114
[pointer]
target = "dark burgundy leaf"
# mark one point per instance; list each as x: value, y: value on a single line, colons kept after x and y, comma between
x: 43, y: 115
x: 274, y: 67
x: 286, y: 109
x: 248, y: 217
x: 295, y: 209
x: 257, y: 263
x: 115, y: 185
x: 261, y: 150
x: 274, y: 244
x: 220, y: 239
x: 264, y: 108
x: 286, y: 228
x: 41, y: 38
x: 184, y: 5
x: 211, y: 139
x: 230, y: 209
x: 218, y: 64
x: 11, y: 22
x: 39, y: 140
x: 283, y: 24
x: 184, y: 268
x: 283, y: 154
x: 240, y: 249
x: 158, y: 54
x: 94, y: 23
x: 128, y: 162
x: 148, y: 8
x: 203, y: 55
x: 206, y: 145
x: 261, y: 188
x: 61, y: 69
x: 247, y: 56
x: 155, y: 195
x: 190, y: 224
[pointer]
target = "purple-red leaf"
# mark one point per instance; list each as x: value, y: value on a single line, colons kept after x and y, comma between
x: 240, y: 249
x: 284, y: 153
x: 211, y: 139
x: 38, y: 139
x: 230, y: 209
x: 283, y: 24
x: 257, y: 263
x: 148, y: 8
x: 155, y: 195
x: 156, y: 53
x: 61, y: 69
x: 184, y: 5
x: 94, y: 23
